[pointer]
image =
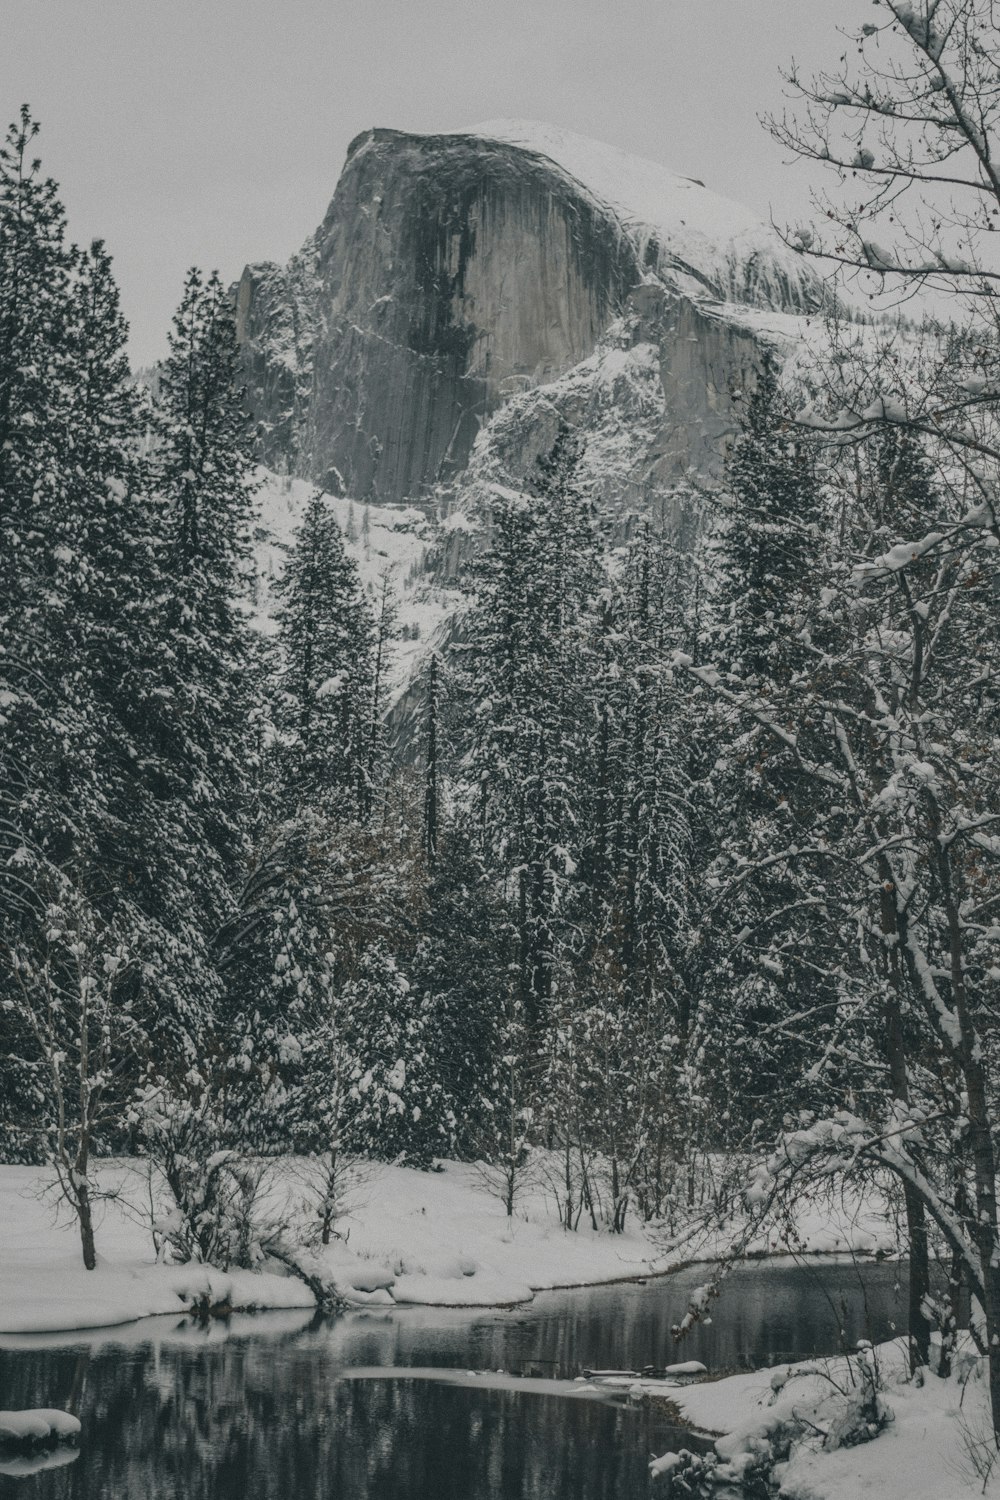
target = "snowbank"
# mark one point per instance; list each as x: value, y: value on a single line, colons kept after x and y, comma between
x: 44, y: 1287
x: 21, y: 1465
x: 42, y: 1425
x: 433, y: 1238
x: 931, y: 1448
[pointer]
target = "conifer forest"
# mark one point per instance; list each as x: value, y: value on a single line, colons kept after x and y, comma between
x: 617, y: 859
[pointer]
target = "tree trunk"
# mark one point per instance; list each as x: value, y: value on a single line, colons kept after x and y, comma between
x: 431, y: 778
x: 970, y: 1057
x: 918, y: 1324
x: 86, y: 1218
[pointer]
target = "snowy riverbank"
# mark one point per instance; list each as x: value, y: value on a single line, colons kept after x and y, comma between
x: 935, y: 1445
x: 432, y: 1238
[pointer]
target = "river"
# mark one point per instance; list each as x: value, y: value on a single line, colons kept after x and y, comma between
x: 380, y: 1405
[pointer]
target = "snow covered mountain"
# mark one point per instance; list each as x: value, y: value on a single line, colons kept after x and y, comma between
x: 454, y: 272
x: 468, y: 291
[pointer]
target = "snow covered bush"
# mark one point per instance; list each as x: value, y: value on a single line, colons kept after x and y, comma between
x: 216, y: 1215
x: 71, y: 1028
x: 814, y: 1407
x: 689, y: 1476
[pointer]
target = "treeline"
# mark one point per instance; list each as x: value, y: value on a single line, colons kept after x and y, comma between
x: 128, y: 746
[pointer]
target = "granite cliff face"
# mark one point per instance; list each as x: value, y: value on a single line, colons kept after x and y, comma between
x: 478, y: 286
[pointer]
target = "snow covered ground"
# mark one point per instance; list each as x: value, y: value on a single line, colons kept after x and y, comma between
x: 442, y: 1239
x: 43, y: 1284
x: 932, y: 1447
x: 433, y: 1238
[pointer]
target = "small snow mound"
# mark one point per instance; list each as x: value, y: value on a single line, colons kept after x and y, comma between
x: 687, y: 1367
x: 464, y: 1291
x: 370, y: 1278
x: 40, y: 1425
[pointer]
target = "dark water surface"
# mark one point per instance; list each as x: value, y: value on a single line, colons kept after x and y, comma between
x: 269, y: 1406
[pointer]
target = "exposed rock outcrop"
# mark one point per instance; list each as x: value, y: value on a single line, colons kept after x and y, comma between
x: 276, y: 313
x: 481, y: 285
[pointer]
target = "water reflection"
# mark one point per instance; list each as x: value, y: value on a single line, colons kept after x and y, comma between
x: 267, y: 1407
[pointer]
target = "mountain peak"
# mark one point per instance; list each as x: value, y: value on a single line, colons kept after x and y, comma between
x: 676, y: 222
x: 454, y: 271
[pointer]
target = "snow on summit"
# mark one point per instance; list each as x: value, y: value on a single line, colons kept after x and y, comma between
x: 675, y: 221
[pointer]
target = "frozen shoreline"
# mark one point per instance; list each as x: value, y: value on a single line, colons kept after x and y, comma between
x: 414, y: 1238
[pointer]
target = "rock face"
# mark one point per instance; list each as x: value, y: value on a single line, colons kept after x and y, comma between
x: 459, y: 281
x: 276, y: 308
x: 450, y: 271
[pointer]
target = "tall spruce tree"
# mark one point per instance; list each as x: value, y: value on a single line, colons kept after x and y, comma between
x: 537, y: 585
x: 764, y: 562
x: 203, y: 473
x: 74, y: 523
x: 199, y: 676
x: 283, y: 952
x: 41, y: 709
x: 634, y: 1002
x: 323, y: 695
x: 767, y: 541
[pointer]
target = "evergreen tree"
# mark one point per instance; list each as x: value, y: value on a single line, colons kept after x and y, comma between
x: 537, y: 585
x: 69, y: 512
x: 398, y: 1105
x: 633, y: 1014
x: 184, y: 692
x: 201, y: 671
x: 638, y: 837
x: 764, y: 561
x: 42, y: 710
x: 81, y: 918
x: 279, y: 959
x: 323, y: 693
x: 768, y: 542
x: 460, y: 973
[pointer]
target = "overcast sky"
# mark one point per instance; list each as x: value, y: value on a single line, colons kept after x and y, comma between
x: 212, y: 132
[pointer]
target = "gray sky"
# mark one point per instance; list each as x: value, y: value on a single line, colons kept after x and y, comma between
x: 212, y: 132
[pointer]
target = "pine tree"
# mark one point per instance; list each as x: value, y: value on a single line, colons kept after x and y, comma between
x: 537, y: 586
x: 281, y: 967
x: 73, y: 527
x: 764, y: 562
x: 399, y: 1106
x: 203, y: 474
x: 40, y: 707
x: 194, y: 732
x: 460, y: 974
x: 323, y: 691
x: 634, y: 1010
x: 767, y: 542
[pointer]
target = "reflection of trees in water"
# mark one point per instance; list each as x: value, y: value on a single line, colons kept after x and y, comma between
x: 247, y: 1419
